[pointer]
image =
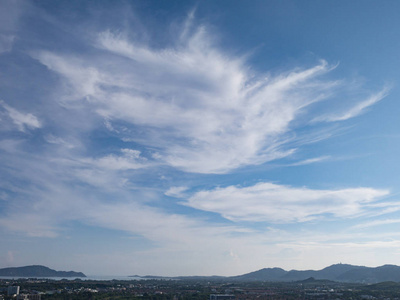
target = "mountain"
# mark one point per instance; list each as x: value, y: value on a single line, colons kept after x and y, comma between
x: 37, y: 271
x: 372, y: 275
x: 332, y: 272
x: 267, y: 274
x: 338, y: 272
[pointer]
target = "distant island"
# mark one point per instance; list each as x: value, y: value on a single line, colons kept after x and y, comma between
x: 37, y: 271
x: 338, y: 272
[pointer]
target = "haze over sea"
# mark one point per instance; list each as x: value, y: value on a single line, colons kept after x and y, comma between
x: 181, y: 137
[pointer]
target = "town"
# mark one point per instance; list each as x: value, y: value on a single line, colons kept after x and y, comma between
x: 156, y: 289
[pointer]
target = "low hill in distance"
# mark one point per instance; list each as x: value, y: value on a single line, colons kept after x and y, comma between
x: 338, y: 273
x: 37, y: 271
x: 267, y: 274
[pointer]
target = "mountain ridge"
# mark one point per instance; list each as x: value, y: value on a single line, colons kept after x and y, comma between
x: 337, y: 272
x: 37, y: 271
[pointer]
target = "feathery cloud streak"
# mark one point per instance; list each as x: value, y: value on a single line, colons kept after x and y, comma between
x: 203, y: 110
x: 356, y: 110
x: 23, y: 121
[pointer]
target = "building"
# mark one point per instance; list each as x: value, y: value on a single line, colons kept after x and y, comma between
x: 13, y: 290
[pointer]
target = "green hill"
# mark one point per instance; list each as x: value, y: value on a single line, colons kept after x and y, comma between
x: 37, y: 271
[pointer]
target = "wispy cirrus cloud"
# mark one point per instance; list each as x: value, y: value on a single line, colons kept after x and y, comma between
x: 23, y: 121
x: 48, y: 205
x: 129, y: 159
x: 376, y: 223
x: 176, y: 191
x: 357, y: 109
x: 199, y: 109
x: 311, y: 161
x: 269, y: 202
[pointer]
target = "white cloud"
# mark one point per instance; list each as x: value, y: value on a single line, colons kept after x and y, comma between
x: 58, y: 141
x: 129, y: 160
x: 40, y: 210
x: 356, y: 110
x: 21, y: 120
x: 283, y: 204
x: 176, y: 191
x: 204, y: 110
x: 311, y: 161
x: 32, y: 224
x: 178, y: 239
x: 169, y: 233
x: 376, y: 223
x: 83, y: 80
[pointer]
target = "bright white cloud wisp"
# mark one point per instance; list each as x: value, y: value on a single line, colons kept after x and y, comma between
x: 202, y: 109
x: 357, y: 109
x: 275, y: 203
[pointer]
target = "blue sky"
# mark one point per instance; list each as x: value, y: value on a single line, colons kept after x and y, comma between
x: 199, y: 138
